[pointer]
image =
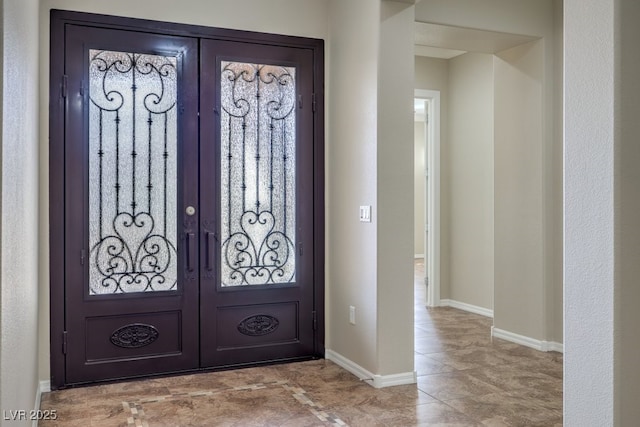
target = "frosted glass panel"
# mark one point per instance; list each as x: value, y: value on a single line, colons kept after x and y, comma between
x: 258, y: 188
x: 132, y: 173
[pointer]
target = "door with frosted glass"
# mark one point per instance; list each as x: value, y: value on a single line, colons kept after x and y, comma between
x: 186, y: 199
x: 257, y: 198
x: 131, y: 254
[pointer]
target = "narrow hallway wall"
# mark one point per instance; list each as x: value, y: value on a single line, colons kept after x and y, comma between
x: 471, y: 179
x: 19, y: 211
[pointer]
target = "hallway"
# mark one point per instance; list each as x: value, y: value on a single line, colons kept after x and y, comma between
x: 464, y: 378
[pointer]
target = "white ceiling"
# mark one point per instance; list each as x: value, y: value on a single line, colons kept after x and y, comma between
x: 443, y: 41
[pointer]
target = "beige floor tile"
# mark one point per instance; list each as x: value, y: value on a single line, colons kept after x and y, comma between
x: 425, y: 365
x: 465, y: 378
x: 506, y: 409
x: 454, y: 385
x: 509, y: 378
x: 429, y: 414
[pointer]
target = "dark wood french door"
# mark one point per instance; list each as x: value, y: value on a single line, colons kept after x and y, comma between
x: 187, y: 168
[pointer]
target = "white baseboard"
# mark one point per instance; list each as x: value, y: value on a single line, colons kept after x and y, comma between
x: 554, y: 346
x: 43, y: 387
x: 377, y: 381
x: 466, y: 307
x: 36, y: 407
x: 527, y: 341
x: 416, y: 256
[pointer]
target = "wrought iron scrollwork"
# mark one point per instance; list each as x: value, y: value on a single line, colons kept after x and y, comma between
x: 258, y: 325
x: 132, y: 167
x: 125, y: 261
x: 258, y: 174
x: 135, y: 335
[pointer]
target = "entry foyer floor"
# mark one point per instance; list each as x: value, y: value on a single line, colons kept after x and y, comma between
x: 465, y: 378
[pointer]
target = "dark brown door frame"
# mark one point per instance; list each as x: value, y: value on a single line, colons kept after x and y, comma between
x: 57, y: 117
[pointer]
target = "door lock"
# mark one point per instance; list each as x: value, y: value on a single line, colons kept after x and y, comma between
x: 191, y: 211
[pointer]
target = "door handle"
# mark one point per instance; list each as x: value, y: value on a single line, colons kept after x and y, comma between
x: 210, y: 238
x: 191, y: 250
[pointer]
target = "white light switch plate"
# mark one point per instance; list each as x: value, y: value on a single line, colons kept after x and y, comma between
x: 365, y: 213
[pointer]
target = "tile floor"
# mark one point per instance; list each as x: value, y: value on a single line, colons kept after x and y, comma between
x: 464, y: 379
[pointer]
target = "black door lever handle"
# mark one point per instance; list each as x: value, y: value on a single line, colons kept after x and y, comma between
x: 191, y: 250
x: 210, y: 239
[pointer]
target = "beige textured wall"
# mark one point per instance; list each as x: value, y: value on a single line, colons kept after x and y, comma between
x: 302, y: 17
x: 527, y: 17
x: 19, y: 213
x: 555, y: 298
x: 2, y: 78
x: 395, y: 192
x: 519, y: 268
x: 470, y: 166
x: 592, y: 133
x: 352, y: 162
x: 433, y: 74
x: 627, y: 341
x: 294, y: 17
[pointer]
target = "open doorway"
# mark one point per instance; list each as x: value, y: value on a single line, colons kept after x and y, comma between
x: 480, y: 93
x: 497, y: 175
x: 427, y: 189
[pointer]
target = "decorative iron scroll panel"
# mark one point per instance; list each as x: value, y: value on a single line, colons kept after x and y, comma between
x: 258, y: 188
x: 132, y: 172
